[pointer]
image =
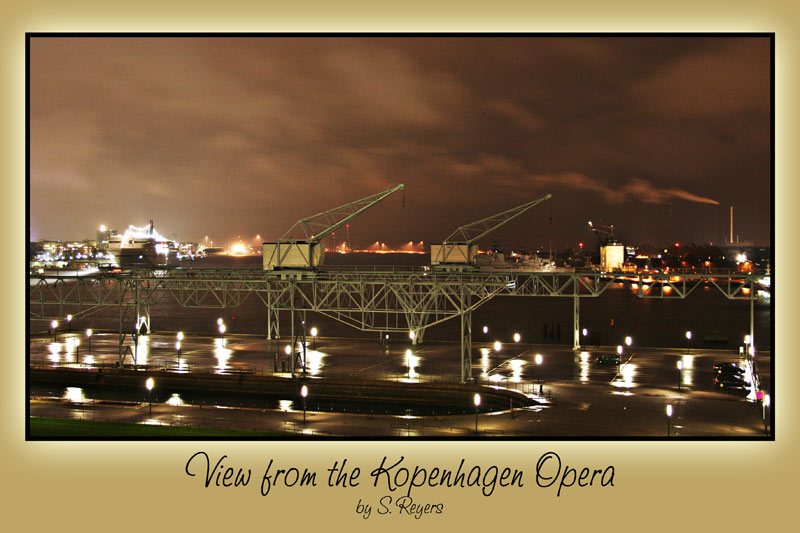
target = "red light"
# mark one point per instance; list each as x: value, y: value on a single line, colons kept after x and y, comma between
x: 677, y: 245
x: 580, y: 244
x: 760, y: 395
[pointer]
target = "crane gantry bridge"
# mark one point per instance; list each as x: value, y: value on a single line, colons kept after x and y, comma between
x: 409, y: 299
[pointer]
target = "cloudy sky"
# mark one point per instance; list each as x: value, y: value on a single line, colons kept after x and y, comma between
x: 230, y: 137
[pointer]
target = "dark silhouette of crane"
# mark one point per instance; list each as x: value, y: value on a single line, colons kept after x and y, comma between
x: 605, y: 234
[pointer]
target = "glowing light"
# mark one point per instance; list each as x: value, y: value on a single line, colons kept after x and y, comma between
x: 180, y: 335
x: 538, y: 359
x: 239, y: 249
x: 517, y: 337
x: 313, y: 332
x: 628, y: 341
x: 476, y: 399
x: 175, y: 400
x: 304, y: 391
x: 497, y: 346
x: 411, y: 335
x: 741, y: 258
x: 689, y: 335
x: 149, y: 383
x: 669, y: 410
x: 89, y: 332
x: 412, y: 361
x: 516, y: 369
x: 222, y: 354
x: 102, y: 227
x: 485, y: 329
x: 74, y: 395
x: 288, y: 349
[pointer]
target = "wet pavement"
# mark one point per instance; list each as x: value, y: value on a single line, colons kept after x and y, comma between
x: 586, y: 399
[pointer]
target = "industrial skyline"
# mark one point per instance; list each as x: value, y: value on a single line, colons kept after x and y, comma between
x: 231, y: 137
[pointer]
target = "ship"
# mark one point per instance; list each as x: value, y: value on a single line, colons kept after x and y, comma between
x: 142, y: 248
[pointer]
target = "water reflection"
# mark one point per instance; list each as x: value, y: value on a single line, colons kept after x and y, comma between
x: 625, y: 376
x: 584, y: 366
x: 516, y: 369
x: 55, y: 350
x: 412, y: 361
x: 89, y: 360
x: 687, y: 373
x: 142, y: 352
x: 222, y: 354
x: 286, y: 405
x: 314, y: 361
x: 175, y: 400
x: 75, y: 395
x: 485, y: 363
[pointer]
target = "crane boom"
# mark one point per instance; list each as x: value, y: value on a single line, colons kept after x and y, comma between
x: 460, y: 247
x: 473, y: 232
x: 300, y: 248
x: 317, y: 227
x: 605, y: 234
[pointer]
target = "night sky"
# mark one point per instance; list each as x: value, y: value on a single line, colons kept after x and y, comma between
x: 230, y: 137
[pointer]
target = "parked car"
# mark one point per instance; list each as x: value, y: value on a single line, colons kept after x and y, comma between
x: 732, y: 382
x: 728, y: 368
x: 608, y: 359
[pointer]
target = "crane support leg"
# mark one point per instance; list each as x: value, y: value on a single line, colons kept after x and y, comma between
x: 273, y: 318
x: 466, y: 347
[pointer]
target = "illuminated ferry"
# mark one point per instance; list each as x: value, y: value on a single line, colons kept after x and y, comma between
x: 142, y: 247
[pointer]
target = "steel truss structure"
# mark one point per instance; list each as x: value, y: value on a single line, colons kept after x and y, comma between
x: 396, y: 300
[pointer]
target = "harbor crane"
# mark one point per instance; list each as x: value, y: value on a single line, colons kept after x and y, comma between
x: 612, y: 252
x: 605, y: 234
x: 300, y: 248
x: 459, y: 249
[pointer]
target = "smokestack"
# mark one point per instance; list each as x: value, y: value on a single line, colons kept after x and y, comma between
x: 731, y: 241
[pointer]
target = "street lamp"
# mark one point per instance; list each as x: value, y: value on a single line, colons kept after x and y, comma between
x: 680, y: 371
x: 304, y: 393
x: 619, y: 350
x: 688, y: 338
x: 669, y: 416
x: 485, y: 330
x: 180, y: 335
x: 219, y: 321
x: 517, y: 337
x: 497, y: 346
x: 89, y: 338
x: 222, y: 330
x: 628, y: 341
x: 585, y: 333
x: 178, y: 348
x: 149, y: 384
x: 69, y: 320
x: 54, y: 327
x: 538, y: 360
x: 477, y: 400
x: 314, y: 338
